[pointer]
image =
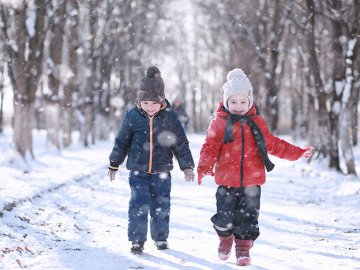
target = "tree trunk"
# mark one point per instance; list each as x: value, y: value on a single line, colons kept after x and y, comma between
x: 337, y: 90
x: 52, y: 120
x: 346, y: 115
x: 356, y: 80
x: 52, y: 99
x: 87, y: 125
x: 351, y: 52
x: 24, y: 72
x: 71, y: 86
x: 23, y: 124
x: 1, y: 98
x: 354, y: 111
x: 67, y: 118
x: 323, y: 117
x: 346, y: 145
x: 271, y: 81
x: 104, y: 99
x: 193, y: 109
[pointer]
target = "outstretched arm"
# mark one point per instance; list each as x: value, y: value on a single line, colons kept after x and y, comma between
x: 282, y: 148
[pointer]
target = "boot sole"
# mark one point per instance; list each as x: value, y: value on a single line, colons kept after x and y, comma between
x: 224, y: 257
x: 244, y: 261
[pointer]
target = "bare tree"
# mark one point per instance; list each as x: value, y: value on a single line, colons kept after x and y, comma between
x: 24, y: 45
x: 71, y: 85
x: 346, y: 114
x: 288, y: 49
x: 338, y: 81
x: 1, y: 97
x: 266, y: 34
x: 314, y: 66
x: 328, y: 49
x: 54, y: 71
x: 253, y: 30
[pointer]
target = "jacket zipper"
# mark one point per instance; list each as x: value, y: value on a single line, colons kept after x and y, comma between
x: 151, y: 142
x: 242, y: 155
x: 151, y: 138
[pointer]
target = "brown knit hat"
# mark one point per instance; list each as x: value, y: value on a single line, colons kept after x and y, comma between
x: 152, y: 86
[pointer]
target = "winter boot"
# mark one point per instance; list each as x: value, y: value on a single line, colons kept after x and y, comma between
x: 137, y: 248
x: 242, y: 248
x: 225, y: 246
x: 161, y: 245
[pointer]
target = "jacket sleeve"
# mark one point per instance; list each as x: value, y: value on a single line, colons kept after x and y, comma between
x: 211, y: 148
x: 181, y: 148
x: 122, y: 143
x: 278, y: 147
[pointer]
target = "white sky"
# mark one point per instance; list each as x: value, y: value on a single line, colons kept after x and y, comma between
x: 12, y: 3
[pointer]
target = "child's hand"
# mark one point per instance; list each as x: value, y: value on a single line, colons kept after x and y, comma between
x: 200, y: 177
x: 307, y: 152
x: 111, y: 174
x: 189, y: 175
x: 203, y: 172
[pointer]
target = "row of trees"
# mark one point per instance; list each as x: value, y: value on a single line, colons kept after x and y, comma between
x: 80, y: 63
x: 68, y: 58
x: 308, y: 49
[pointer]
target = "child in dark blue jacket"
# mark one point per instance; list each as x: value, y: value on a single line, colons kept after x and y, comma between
x: 150, y: 135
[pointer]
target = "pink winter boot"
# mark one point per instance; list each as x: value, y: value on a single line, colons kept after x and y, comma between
x: 242, y: 248
x: 225, y: 246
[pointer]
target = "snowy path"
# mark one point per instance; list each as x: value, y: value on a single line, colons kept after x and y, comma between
x: 305, y: 223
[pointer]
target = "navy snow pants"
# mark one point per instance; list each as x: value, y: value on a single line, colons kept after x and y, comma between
x: 149, y: 193
x: 237, y: 212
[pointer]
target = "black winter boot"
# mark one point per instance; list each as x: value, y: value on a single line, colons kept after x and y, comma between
x: 137, y: 248
x: 161, y: 245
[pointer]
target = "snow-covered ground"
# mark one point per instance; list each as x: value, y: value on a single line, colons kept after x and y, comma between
x: 72, y: 217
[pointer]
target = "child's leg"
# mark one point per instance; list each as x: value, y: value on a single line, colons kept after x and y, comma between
x: 246, y: 218
x: 138, y: 207
x: 225, y: 210
x: 226, y: 202
x: 160, y: 187
x: 246, y: 223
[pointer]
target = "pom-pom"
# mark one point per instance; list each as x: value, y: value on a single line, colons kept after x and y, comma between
x: 153, y: 72
x: 237, y: 72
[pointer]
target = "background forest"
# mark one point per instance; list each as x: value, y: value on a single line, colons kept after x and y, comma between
x: 75, y: 65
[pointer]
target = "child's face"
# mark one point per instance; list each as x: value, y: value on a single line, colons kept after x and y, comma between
x: 150, y: 107
x: 238, y: 104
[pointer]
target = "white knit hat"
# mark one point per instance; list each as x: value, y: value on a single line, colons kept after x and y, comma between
x: 237, y: 84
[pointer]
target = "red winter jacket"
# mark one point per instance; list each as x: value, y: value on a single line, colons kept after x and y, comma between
x: 227, y: 158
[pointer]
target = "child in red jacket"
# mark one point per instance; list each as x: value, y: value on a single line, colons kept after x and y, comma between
x: 237, y: 143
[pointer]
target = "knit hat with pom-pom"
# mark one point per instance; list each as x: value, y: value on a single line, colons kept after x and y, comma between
x: 237, y: 84
x: 152, y: 86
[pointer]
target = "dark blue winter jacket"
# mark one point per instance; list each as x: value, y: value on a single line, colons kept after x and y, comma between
x: 150, y: 142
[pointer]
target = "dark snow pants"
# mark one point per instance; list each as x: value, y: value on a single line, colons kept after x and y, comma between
x: 237, y: 212
x: 149, y: 193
